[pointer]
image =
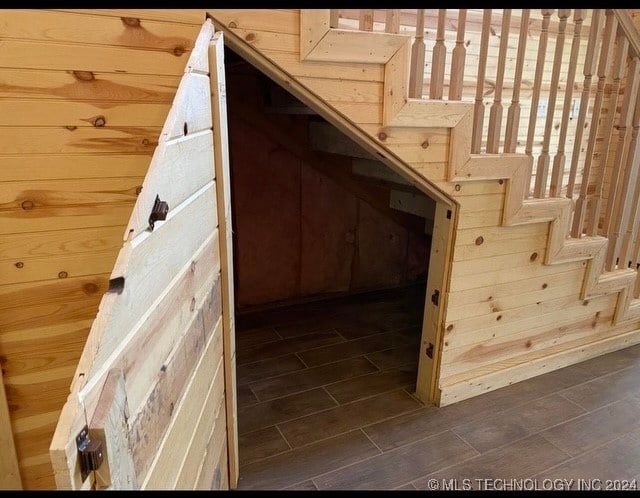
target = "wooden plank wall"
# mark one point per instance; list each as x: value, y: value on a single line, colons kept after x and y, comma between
x: 508, y: 316
x: 161, y: 331
x: 83, y: 96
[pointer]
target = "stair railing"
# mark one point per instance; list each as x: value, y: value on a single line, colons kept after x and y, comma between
x: 572, y: 77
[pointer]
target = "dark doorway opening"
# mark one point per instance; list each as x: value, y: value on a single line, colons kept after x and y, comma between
x: 331, y: 251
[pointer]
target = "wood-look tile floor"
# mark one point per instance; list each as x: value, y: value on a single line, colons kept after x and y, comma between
x: 325, y: 401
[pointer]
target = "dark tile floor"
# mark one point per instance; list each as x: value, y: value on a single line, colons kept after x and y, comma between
x: 325, y: 402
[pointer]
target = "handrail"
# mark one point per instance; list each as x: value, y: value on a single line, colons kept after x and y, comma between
x: 628, y: 26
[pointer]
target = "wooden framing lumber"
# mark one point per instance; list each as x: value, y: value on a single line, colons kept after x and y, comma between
x: 223, y: 193
x: 9, y: 469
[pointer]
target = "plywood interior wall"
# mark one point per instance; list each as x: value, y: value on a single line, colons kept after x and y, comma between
x: 83, y: 96
x: 299, y: 232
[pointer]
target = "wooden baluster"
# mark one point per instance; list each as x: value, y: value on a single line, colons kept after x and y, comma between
x: 439, y: 58
x: 589, y: 68
x: 334, y: 18
x: 416, y: 77
x: 478, y: 108
x: 619, y: 65
x: 392, y: 23
x: 542, y: 171
x: 557, y: 173
x: 579, y: 213
x: 495, y: 115
x: 366, y: 20
x: 618, y: 203
x: 458, y: 56
x: 513, y: 115
x: 537, y: 82
x: 633, y: 158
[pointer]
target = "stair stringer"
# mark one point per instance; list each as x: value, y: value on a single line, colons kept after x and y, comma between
x: 464, y: 166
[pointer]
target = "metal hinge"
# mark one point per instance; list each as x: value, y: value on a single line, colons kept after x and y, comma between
x: 90, y: 454
x: 429, y: 350
x: 435, y: 297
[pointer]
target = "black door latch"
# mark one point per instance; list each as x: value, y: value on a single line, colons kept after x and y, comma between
x: 159, y: 212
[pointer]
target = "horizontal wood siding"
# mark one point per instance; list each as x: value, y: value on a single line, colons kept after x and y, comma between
x: 526, y: 312
x: 84, y: 95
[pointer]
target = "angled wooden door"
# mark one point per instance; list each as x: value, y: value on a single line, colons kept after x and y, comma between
x: 152, y: 403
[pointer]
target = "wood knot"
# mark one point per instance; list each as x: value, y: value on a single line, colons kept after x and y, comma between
x: 145, y: 141
x: 83, y: 75
x: 71, y: 128
x: 544, y: 286
x: 425, y: 144
x: 131, y: 22
x: 585, y: 302
x: 19, y: 264
x: 500, y: 182
x: 479, y: 240
x: 251, y: 37
x: 382, y: 136
x: 90, y: 288
x: 528, y: 344
x: 193, y: 304
x: 99, y: 121
x: 138, y: 189
x: 533, y: 257
x: 63, y: 274
x: 193, y: 267
x: 178, y: 51
x: 233, y: 24
x: 27, y: 205
x: 498, y: 318
x: 450, y: 328
x: 458, y: 187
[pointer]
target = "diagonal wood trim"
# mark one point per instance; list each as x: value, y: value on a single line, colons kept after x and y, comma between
x: 344, y: 45
x: 314, y: 25
x: 319, y: 42
x: 629, y: 28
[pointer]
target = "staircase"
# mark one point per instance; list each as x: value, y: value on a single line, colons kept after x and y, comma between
x: 364, y: 82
